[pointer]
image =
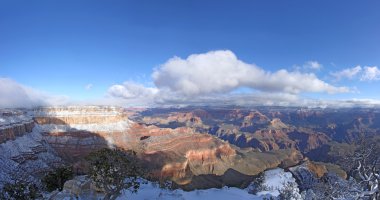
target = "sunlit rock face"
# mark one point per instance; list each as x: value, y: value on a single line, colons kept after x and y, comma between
x: 74, y: 132
x: 14, y: 124
x: 196, y: 160
x: 264, y: 130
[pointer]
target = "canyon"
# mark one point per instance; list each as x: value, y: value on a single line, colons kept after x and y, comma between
x: 196, y: 148
x: 183, y: 155
x: 272, y: 128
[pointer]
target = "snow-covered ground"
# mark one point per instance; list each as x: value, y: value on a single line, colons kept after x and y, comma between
x: 24, y: 157
x: 109, y: 127
x: 150, y: 191
x: 76, y: 111
x: 10, y: 117
x: 274, y: 179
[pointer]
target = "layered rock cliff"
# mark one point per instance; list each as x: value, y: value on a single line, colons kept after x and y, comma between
x: 74, y: 132
x: 14, y: 124
x: 24, y: 154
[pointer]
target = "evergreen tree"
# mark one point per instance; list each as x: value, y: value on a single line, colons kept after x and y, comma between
x: 114, y: 170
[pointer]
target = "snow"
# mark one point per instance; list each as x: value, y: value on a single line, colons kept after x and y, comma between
x: 109, y: 127
x: 149, y: 191
x: 76, y: 111
x: 15, y: 118
x: 275, y: 180
x: 22, y: 157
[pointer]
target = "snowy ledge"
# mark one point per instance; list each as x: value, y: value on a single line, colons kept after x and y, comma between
x: 110, y: 127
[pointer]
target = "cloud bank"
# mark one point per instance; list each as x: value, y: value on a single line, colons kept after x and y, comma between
x: 16, y: 95
x: 212, y: 76
x: 222, y: 71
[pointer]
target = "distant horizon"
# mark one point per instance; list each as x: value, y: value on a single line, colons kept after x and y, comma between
x: 200, y: 53
x: 337, y: 106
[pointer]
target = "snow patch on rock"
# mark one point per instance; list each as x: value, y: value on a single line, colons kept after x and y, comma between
x: 77, y: 111
x: 273, y: 182
x: 109, y: 127
x: 25, y: 157
x: 11, y: 117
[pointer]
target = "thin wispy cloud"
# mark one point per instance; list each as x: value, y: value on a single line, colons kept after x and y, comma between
x: 366, y: 73
x: 88, y: 86
x: 348, y: 73
x: 370, y: 74
x: 313, y: 65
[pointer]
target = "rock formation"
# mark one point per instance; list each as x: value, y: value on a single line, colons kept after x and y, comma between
x: 24, y: 154
x: 181, y: 154
x: 14, y: 124
x: 194, y: 147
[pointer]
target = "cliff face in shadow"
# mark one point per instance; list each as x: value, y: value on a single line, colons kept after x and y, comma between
x: 24, y: 154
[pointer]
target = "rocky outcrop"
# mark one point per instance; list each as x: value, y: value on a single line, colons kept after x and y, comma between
x: 12, y: 131
x: 14, y: 124
x: 26, y: 157
x: 263, y: 139
x: 308, y: 173
x: 254, y: 118
x: 74, y: 132
x: 81, y: 187
x: 308, y: 140
x: 23, y: 152
x: 175, y: 120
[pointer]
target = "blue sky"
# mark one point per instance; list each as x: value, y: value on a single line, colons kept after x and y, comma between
x: 59, y: 47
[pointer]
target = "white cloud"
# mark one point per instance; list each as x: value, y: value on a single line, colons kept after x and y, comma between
x: 348, y: 73
x: 366, y: 73
x: 14, y: 95
x: 314, y: 65
x: 131, y: 90
x: 221, y: 72
x: 211, y: 77
x: 88, y: 86
x: 370, y: 74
